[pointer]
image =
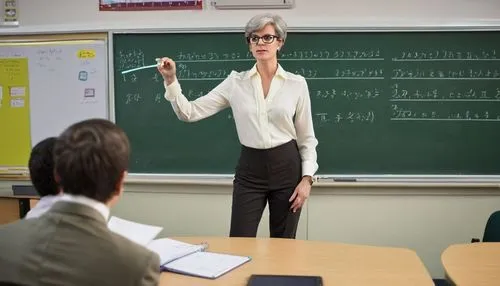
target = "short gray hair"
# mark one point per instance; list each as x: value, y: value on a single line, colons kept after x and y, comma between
x: 260, y: 21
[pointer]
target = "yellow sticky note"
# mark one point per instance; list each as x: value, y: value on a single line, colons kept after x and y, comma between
x: 86, y: 54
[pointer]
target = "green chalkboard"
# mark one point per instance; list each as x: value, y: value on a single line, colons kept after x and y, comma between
x: 415, y: 103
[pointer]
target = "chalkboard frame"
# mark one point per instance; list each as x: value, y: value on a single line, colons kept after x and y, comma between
x: 348, y: 178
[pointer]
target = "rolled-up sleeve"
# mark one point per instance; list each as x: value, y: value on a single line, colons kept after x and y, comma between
x: 306, y: 138
x: 200, y: 108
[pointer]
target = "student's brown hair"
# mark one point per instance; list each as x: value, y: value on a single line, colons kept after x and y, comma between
x: 90, y: 158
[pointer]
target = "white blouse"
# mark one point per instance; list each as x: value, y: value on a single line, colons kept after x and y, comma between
x: 261, y: 122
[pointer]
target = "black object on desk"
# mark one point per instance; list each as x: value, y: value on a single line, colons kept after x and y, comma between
x: 284, y: 280
x: 24, y: 190
x: 24, y: 203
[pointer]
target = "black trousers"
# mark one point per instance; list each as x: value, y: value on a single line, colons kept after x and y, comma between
x: 262, y: 176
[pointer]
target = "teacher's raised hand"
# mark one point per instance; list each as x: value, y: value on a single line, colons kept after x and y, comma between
x: 166, y: 66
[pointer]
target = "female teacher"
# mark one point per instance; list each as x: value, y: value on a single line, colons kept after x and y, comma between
x: 272, y: 113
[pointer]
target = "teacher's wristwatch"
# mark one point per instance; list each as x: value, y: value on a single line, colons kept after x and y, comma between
x: 309, y: 179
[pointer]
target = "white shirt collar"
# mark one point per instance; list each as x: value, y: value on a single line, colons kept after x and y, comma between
x: 98, y: 206
x: 42, y: 206
x: 279, y: 72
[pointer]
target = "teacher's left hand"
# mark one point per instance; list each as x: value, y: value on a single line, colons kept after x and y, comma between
x: 300, y: 194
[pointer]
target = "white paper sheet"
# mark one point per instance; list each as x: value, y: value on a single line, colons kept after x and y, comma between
x: 137, y: 232
x: 17, y: 103
x: 17, y: 91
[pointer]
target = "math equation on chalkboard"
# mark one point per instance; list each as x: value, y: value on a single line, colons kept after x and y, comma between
x: 412, y: 85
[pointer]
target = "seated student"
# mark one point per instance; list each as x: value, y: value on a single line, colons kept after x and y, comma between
x: 41, y: 166
x: 71, y: 243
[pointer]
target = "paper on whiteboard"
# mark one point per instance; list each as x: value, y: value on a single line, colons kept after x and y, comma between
x: 17, y: 102
x: 17, y: 91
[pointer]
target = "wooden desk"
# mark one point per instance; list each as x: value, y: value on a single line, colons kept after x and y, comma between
x: 13, y: 208
x: 338, y: 264
x: 472, y: 264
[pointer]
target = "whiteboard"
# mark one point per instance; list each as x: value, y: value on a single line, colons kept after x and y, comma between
x: 67, y: 82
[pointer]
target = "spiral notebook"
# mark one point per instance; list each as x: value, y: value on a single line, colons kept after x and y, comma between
x: 193, y: 259
x: 177, y: 256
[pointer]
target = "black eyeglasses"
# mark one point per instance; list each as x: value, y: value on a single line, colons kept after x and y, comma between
x: 266, y: 39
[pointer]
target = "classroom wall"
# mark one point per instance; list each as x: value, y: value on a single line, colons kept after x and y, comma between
x: 83, y: 15
x: 426, y: 219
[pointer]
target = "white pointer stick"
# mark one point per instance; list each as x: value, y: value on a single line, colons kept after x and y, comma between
x: 158, y: 62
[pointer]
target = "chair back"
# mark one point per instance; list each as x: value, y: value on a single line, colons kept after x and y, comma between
x: 492, y: 229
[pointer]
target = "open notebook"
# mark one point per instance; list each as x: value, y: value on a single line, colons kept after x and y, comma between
x: 177, y: 256
x: 192, y: 259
